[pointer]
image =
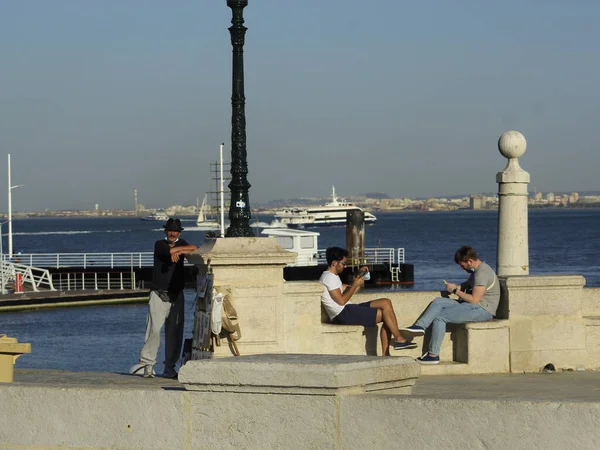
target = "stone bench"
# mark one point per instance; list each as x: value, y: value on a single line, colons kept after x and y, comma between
x: 476, y: 347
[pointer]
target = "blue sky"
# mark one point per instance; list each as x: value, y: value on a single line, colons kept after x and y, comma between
x: 405, y: 97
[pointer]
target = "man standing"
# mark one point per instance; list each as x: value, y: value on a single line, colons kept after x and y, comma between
x: 166, y: 300
x: 478, y: 299
x: 336, y: 301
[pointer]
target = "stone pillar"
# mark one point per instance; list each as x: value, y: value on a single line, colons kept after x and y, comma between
x: 250, y: 269
x: 513, y: 240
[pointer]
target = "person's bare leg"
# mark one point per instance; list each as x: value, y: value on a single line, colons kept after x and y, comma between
x: 388, y: 316
x: 385, y: 340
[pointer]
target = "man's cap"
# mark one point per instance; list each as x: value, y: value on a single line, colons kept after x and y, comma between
x: 173, y: 225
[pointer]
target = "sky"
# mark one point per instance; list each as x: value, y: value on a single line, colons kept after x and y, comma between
x: 404, y: 97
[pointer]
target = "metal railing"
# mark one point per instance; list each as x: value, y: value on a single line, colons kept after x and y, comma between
x: 375, y: 256
x: 95, y: 281
x: 34, y: 276
x: 86, y: 260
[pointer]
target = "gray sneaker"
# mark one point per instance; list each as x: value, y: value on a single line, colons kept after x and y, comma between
x: 148, y: 372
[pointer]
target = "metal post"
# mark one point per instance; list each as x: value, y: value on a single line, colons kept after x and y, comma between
x: 355, y: 236
x: 10, y: 248
x: 2, y: 260
x: 221, y: 193
x: 10, y: 188
x: 239, y: 207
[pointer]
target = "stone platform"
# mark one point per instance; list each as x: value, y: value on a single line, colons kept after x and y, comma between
x: 302, y: 374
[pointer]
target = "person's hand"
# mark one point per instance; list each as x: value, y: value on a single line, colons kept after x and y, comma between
x: 450, y: 286
x: 358, y: 281
x: 174, y: 254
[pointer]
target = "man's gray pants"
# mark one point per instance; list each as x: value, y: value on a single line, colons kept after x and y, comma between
x: 168, y: 314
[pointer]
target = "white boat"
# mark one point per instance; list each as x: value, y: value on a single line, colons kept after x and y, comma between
x: 203, y: 222
x: 159, y: 216
x: 331, y: 214
x: 304, y: 243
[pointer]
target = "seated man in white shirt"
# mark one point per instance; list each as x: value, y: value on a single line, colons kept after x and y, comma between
x: 336, y: 301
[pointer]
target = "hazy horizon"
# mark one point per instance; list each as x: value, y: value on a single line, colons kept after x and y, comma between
x: 408, y: 98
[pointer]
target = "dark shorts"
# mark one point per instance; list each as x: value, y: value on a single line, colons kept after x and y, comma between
x: 361, y: 314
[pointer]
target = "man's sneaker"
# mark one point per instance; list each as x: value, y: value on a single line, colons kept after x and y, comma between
x: 170, y: 375
x: 404, y: 345
x: 428, y: 359
x: 413, y: 330
x: 148, y: 372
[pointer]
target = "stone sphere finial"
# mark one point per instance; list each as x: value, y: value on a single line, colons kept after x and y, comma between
x: 512, y: 144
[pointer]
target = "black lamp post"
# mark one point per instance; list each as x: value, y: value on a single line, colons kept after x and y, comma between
x: 239, y: 208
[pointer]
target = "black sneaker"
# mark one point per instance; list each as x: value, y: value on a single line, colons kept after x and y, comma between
x: 171, y: 375
x: 404, y: 345
x: 428, y: 359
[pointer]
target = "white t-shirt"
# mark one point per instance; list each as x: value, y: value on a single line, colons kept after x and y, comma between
x: 331, y: 282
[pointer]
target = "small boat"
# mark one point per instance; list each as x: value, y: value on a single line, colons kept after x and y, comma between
x: 332, y: 213
x: 203, y: 222
x: 159, y: 216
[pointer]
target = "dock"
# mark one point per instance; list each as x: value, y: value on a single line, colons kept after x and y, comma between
x: 28, y: 301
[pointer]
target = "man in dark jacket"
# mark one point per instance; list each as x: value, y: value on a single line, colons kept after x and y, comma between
x: 166, y: 300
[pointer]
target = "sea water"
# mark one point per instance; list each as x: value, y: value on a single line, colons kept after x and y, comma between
x: 109, y: 338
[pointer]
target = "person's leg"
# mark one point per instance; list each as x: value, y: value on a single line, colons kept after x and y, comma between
x: 434, y: 310
x: 387, y: 316
x: 157, y: 313
x: 174, y: 335
x: 457, y: 313
x: 384, y: 334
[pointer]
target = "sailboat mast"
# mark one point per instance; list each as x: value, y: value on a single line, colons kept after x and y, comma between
x: 221, y: 190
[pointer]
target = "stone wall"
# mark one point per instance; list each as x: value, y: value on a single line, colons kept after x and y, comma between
x: 53, y: 418
x: 550, y: 319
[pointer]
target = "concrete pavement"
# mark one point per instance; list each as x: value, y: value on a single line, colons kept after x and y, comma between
x: 536, y: 387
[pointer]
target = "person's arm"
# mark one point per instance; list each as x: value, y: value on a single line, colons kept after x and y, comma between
x: 176, y: 252
x: 343, y: 297
x: 460, y: 290
x: 475, y: 297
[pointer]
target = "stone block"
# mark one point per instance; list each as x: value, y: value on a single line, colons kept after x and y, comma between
x: 545, y: 295
x: 301, y: 374
x: 546, y: 333
x: 487, y: 346
x: 591, y: 301
x: 224, y: 420
x: 592, y: 341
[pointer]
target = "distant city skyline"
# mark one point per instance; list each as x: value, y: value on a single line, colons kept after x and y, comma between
x: 409, y: 98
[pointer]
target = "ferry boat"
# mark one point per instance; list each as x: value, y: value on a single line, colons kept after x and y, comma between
x: 160, y: 216
x: 333, y: 213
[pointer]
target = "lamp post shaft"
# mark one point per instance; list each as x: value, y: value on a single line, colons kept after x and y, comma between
x: 239, y: 208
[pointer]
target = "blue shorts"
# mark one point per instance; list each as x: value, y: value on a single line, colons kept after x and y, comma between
x: 361, y: 314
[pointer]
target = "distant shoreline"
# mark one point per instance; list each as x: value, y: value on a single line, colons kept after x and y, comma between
x: 89, y: 215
